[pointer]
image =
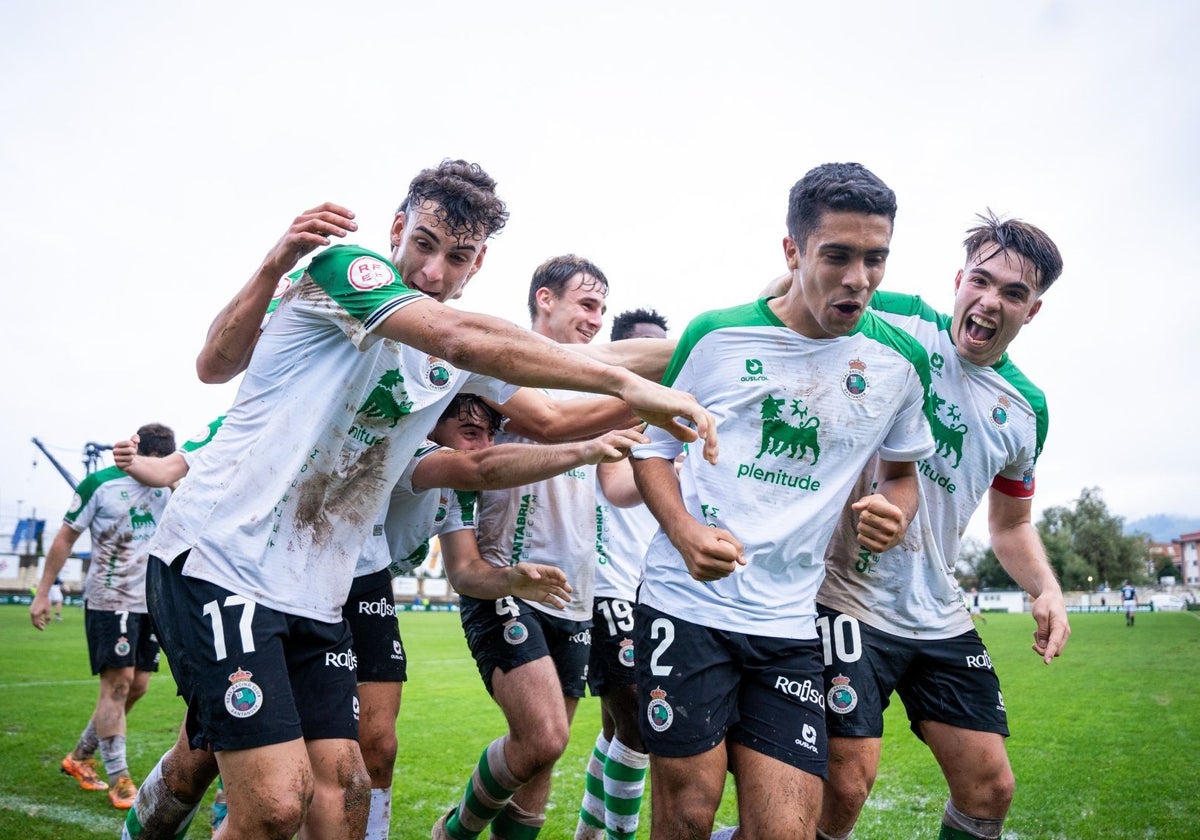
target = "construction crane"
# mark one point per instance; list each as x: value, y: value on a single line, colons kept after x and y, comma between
x: 92, y: 454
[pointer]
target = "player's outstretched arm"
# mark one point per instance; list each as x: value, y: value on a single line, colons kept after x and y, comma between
x: 646, y: 357
x: 535, y: 415
x: 513, y: 464
x: 500, y: 349
x: 710, y: 553
x: 471, y: 575
x: 56, y: 558
x: 153, y: 472
x: 234, y: 332
x: 883, y: 516
x: 1018, y: 547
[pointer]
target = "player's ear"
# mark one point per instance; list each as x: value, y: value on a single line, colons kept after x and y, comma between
x: 792, y: 252
x: 1033, y: 311
x: 398, y: 228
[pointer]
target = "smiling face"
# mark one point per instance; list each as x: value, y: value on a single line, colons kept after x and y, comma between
x: 994, y: 296
x: 430, y: 258
x: 575, y: 316
x: 834, y: 275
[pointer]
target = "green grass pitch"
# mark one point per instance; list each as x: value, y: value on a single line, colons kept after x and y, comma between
x: 1104, y: 741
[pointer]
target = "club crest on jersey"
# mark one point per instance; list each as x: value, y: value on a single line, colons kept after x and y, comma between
x: 515, y: 632
x: 854, y: 381
x: 659, y: 712
x: 243, y: 698
x: 1000, y: 411
x: 625, y: 655
x: 437, y: 375
x: 122, y: 648
x: 842, y: 697
x: 367, y: 273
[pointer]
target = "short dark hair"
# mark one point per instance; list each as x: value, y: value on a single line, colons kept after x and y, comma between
x: 837, y: 187
x: 1021, y: 238
x: 469, y: 406
x: 623, y: 324
x: 556, y: 272
x: 465, y: 195
x: 156, y: 440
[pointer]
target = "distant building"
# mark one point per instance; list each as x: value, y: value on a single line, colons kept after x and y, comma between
x: 1156, y: 552
x: 1187, y: 558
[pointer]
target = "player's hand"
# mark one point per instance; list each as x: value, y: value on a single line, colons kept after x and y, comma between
x: 668, y: 408
x: 881, y: 524
x: 124, y: 451
x: 309, y: 231
x: 1052, y: 631
x: 535, y: 582
x: 710, y: 553
x: 613, y: 446
x: 39, y: 610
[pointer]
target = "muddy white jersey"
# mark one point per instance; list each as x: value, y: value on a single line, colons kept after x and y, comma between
x: 552, y: 521
x: 798, y: 418
x: 400, y: 540
x: 624, y: 534
x: 121, y: 515
x: 277, y: 506
x: 989, y: 424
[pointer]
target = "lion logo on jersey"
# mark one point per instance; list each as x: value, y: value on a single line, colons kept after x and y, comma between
x: 140, y: 517
x: 949, y: 439
x: 384, y: 401
x: 778, y: 434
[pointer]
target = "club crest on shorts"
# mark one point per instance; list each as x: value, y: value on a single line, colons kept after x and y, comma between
x: 515, y: 632
x: 625, y: 655
x: 854, y: 383
x: 659, y: 712
x: 842, y: 697
x: 121, y: 648
x: 244, y: 697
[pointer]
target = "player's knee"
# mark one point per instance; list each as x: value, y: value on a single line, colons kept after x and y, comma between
x: 545, y: 741
x: 379, y: 755
x: 845, y: 794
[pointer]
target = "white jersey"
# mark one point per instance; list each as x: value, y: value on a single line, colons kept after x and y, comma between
x: 798, y: 418
x: 121, y: 515
x: 552, y: 521
x: 989, y: 426
x: 624, y: 533
x: 277, y: 507
x: 400, y: 542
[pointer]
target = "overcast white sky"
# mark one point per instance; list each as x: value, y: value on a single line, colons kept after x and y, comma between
x: 151, y: 152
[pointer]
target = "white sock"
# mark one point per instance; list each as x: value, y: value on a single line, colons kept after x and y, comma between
x: 591, y: 810
x: 379, y: 817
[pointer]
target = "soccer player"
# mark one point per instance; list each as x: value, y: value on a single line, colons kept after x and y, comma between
x: 533, y: 657
x: 1129, y: 601
x: 259, y: 546
x: 896, y: 620
x: 616, y: 769
x: 419, y: 508
x: 807, y: 387
x: 121, y: 515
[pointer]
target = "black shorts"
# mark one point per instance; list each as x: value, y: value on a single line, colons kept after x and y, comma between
x: 948, y: 681
x: 250, y: 675
x: 698, y: 685
x: 371, y: 613
x: 508, y: 632
x: 612, y: 661
x: 120, y: 639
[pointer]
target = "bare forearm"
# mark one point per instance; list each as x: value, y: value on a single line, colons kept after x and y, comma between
x: 535, y: 416
x: 1020, y: 552
x: 234, y: 332
x: 56, y: 558
x: 646, y: 357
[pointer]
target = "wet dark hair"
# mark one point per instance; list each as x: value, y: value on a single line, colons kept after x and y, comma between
x: 837, y: 187
x: 156, y: 440
x: 624, y: 323
x: 556, y: 272
x: 465, y: 195
x: 473, y: 407
x: 1018, y: 237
